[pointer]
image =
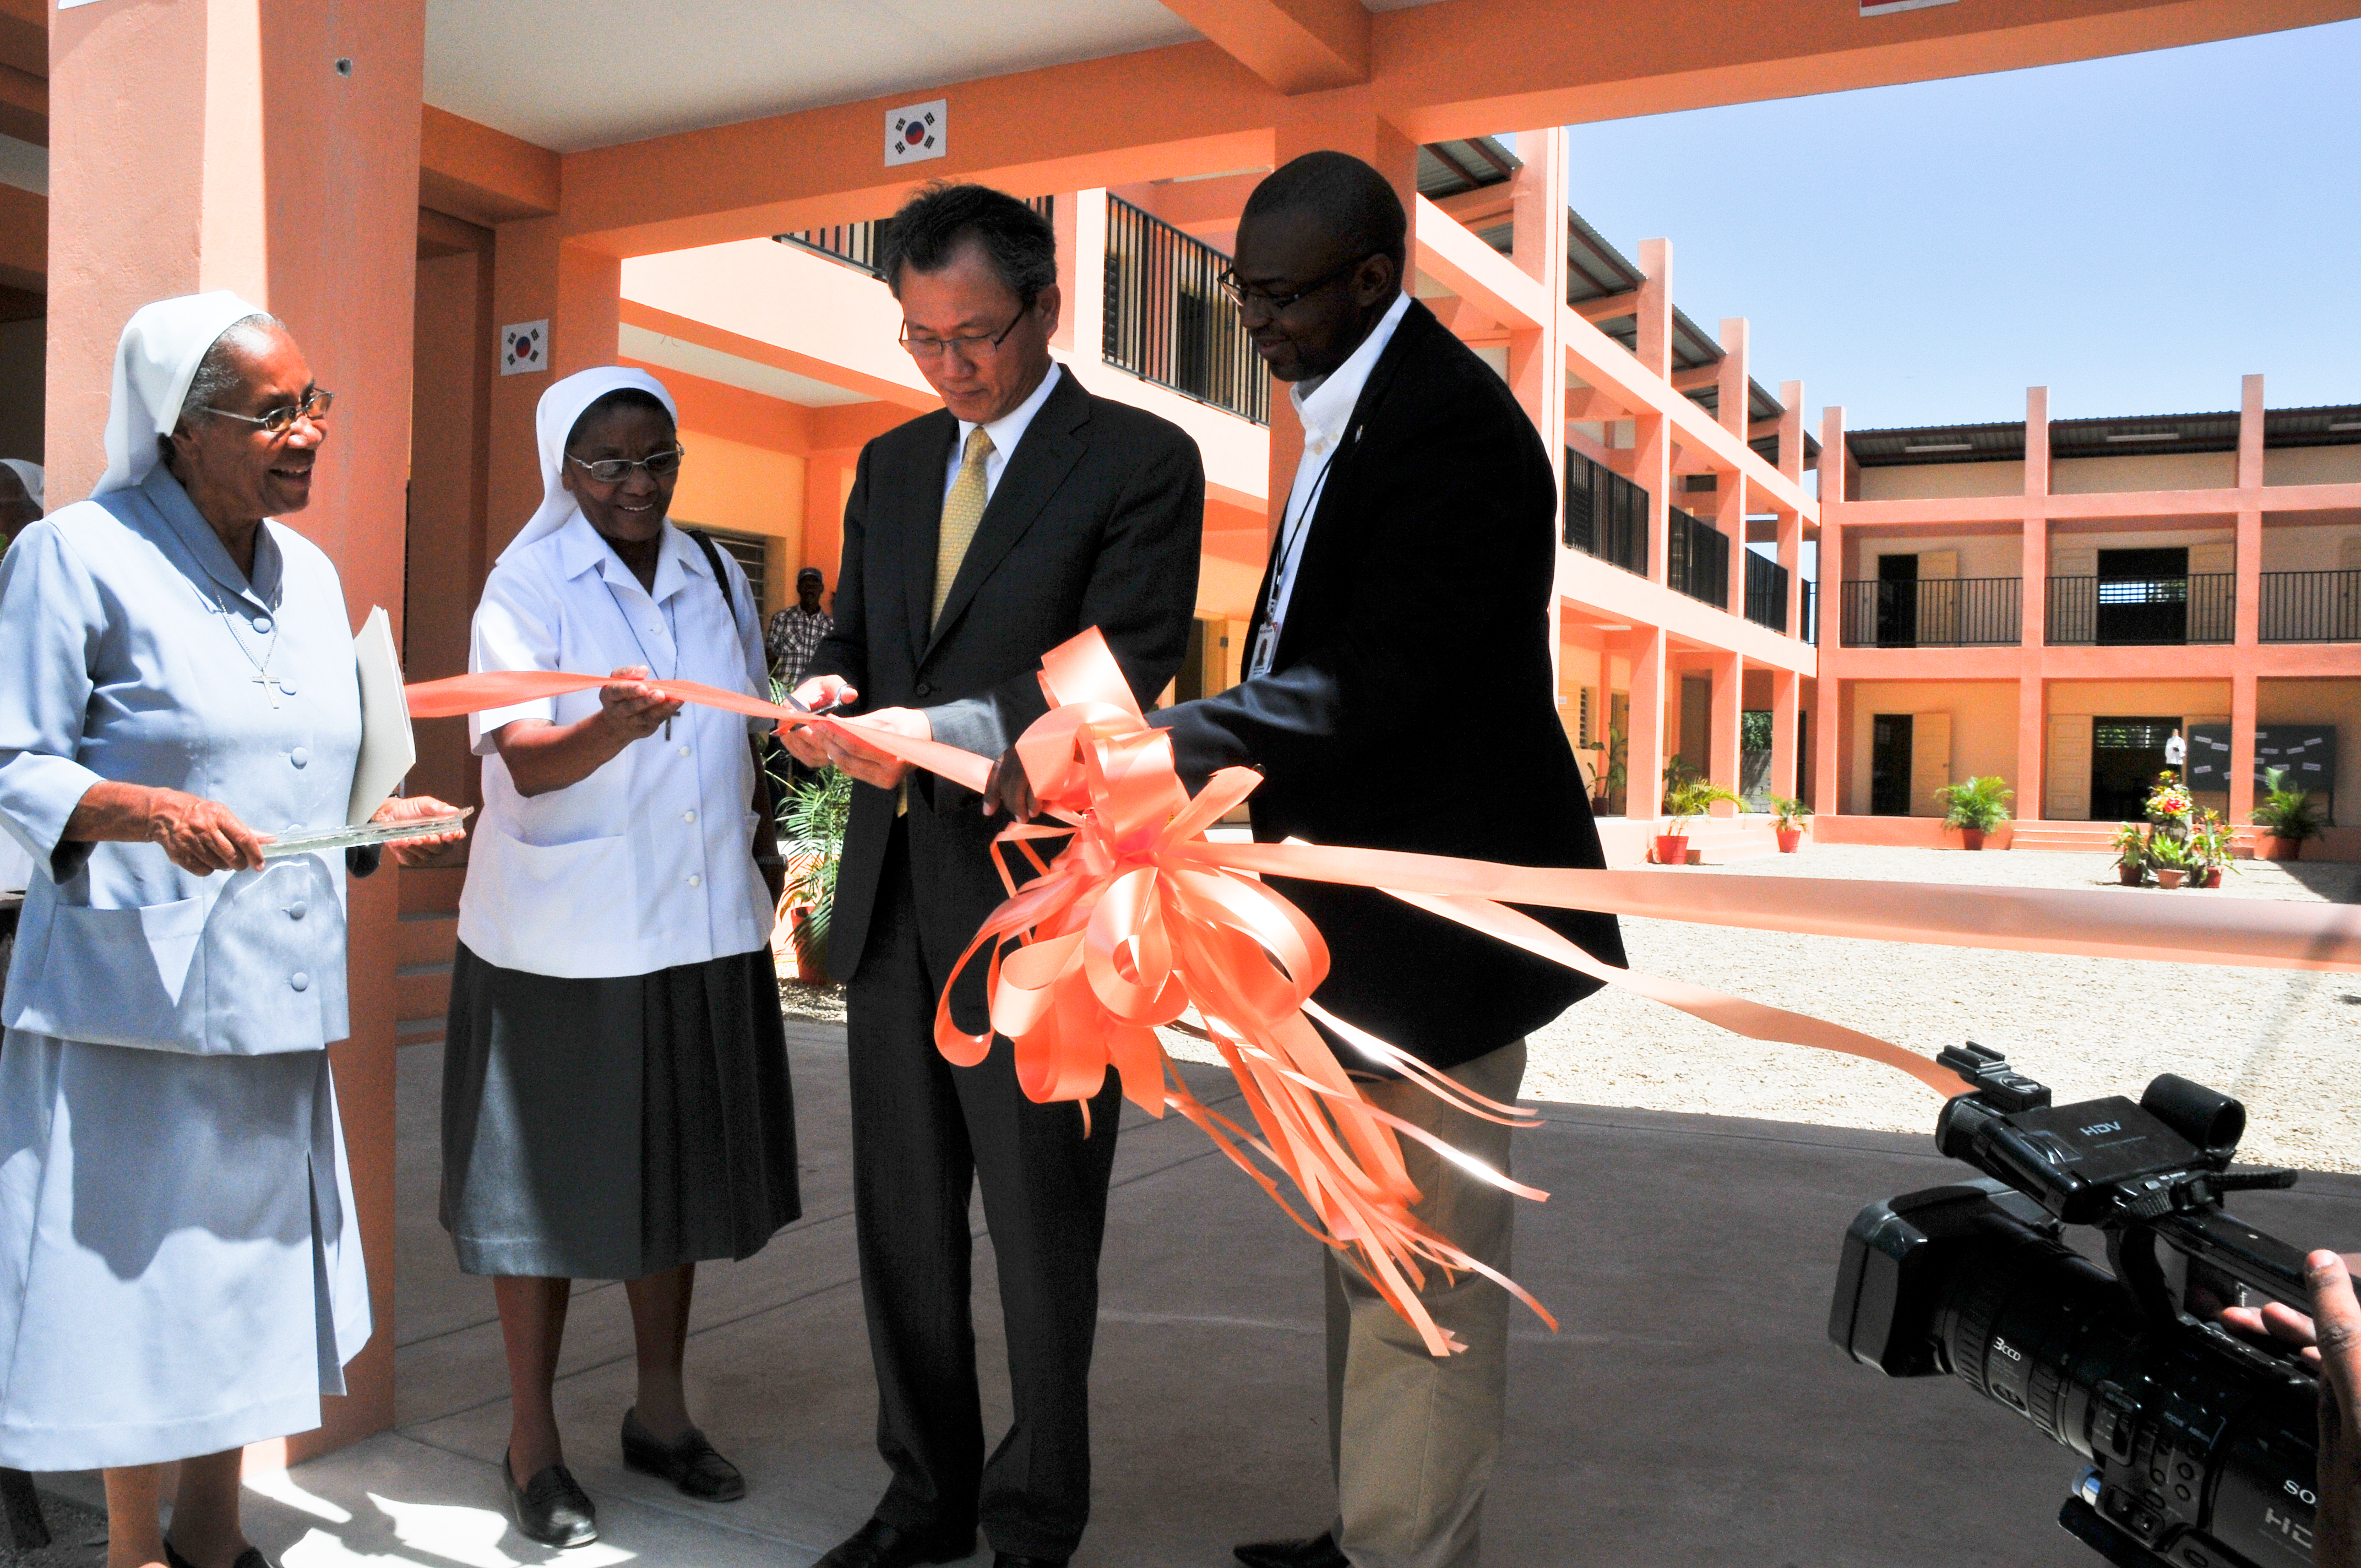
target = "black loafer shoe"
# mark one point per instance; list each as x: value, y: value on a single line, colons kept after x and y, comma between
x: 881, y: 1545
x: 551, y: 1508
x: 689, y: 1464
x: 251, y: 1557
x: 1321, y: 1552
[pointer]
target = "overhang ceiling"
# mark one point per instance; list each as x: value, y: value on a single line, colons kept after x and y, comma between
x: 569, y: 74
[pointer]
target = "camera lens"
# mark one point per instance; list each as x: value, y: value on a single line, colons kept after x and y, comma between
x: 2030, y: 1323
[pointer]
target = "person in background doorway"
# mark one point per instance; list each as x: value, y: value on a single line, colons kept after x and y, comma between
x: 615, y: 1093
x: 184, y: 1272
x: 21, y: 484
x: 977, y: 539
x: 796, y: 631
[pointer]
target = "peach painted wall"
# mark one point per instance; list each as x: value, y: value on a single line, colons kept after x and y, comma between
x: 2148, y: 471
x: 1983, y: 728
x: 745, y: 489
x: 2312, y: 466
x: 2316, y: 543
x: 1981, y: 554
x: 2166, y: 699
x: 1908, y: 482
x: 2321, y: 701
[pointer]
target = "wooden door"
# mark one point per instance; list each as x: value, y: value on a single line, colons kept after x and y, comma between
x: 2068, y: 798
x: 1930, y: 761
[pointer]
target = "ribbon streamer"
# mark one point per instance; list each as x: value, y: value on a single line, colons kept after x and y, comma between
x: 1141, y: 922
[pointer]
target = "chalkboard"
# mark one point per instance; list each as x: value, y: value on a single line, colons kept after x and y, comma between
x: 2308, y: 753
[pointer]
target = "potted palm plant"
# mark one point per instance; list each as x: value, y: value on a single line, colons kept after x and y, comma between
x: 2171, y: 860
x: 2131, y: 853
x: 1788, y: 817
x: 1975, y: 806
x: 2287, y: 817
x: 1688, y: 799
x: 812, y: 820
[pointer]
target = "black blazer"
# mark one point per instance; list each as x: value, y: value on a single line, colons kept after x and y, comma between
x: 1411, y: 705
x: 1095, y: 522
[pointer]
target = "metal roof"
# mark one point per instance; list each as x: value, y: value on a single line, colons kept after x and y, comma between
x: 1455, y: 167
x: 2333, y: 426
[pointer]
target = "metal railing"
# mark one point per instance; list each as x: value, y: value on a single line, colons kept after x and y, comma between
x: 1934, y: 612
x: 858, y: 245
x: 2142, y: 611
x: 1167, y: 320
x: 1811, y: 601
x: 1696, y: 560
x: 2310, y: 607
x: 1606, y: 514
x: 1766, y: 592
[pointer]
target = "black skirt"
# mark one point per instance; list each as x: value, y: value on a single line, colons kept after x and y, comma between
x: 613, y: 1128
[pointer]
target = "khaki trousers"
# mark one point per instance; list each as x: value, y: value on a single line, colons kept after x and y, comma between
x: 1412, y: 1438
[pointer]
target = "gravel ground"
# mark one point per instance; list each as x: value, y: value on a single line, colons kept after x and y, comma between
x: 2282, y: 1041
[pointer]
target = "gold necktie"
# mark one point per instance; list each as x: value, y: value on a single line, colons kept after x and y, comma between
x: 962, y: 509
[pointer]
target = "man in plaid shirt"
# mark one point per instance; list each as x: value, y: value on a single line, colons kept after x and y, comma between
x: 795, y: 633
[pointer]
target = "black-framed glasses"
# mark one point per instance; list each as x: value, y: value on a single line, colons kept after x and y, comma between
x: 615, y: 470
x: 280, y: 421
x: 970, y: 349
x: 1242, y: 296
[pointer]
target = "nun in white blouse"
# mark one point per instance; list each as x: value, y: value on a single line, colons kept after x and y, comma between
x: 179, y: 1264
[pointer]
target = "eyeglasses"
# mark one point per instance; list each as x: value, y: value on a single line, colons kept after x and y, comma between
x: 280, y: 421
x: 1242, y: 296
x: 969, y: 349
x: 615, y: 470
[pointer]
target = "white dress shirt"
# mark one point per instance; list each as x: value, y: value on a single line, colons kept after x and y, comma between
x: 1006, y: 433
x: 1323, y: 403
x: 647, y: 865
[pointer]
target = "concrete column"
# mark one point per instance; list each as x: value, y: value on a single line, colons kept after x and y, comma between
x: 1651, y: 455
x: 1791, y: 524
x: 1643, y: 749
x: 1345, y: 120
x: 2242, y: 746
x: 281, y: 161
x: 1083, y: 325
x: 2248, y: 619
x: 1827, y: 737
x: 2032, y: 657
x: 1537, y: 357
x: 1730, y: 500
x: 538, y: 277
x: 1728, y: 728
x: 1787, y: 702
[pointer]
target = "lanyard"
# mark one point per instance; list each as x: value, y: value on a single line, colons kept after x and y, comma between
x: 1283, y: 567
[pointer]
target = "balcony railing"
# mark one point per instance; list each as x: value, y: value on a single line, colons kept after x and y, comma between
x: 858, y: 245
x: 1606, y: 514
x: 1766, y: 592
x: 1167, y: 320
x: 2310, y: 607
x: 1811, y: 601
x: 1696, y: 560
x: 1934, y: 612
x: 2142, y: 611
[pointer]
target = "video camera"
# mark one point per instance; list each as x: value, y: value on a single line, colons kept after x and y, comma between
x: 2201, y: 1445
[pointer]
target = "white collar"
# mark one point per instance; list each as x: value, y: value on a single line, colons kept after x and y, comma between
x: 1009, y: 428
x: 1324, y: 402
x: 582, y: 548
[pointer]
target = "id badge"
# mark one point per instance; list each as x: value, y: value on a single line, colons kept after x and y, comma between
x: 1265, y: 648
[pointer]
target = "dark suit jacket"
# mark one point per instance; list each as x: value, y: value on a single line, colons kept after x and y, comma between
x: 1095, y: 522
x: 1411, y: 705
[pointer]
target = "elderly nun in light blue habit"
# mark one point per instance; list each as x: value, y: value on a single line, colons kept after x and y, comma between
x: 180, y: 1268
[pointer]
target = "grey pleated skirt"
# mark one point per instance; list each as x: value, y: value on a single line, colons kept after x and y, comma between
x: 612, y: 1128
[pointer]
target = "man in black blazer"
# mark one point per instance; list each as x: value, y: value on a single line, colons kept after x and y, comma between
x: 1419, y: 466
x: 976, y: 540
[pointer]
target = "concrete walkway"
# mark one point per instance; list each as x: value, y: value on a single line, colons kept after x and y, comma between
x: 1692, y: 1411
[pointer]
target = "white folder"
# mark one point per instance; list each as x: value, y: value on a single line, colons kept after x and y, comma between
x: 388, y: 750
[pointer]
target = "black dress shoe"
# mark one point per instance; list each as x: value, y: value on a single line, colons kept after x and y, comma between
x: 251, y: 1557
x: 689, y: 1463
x: 1318, y: 1552
x: 881, y: 1545
x: 551, y: 1508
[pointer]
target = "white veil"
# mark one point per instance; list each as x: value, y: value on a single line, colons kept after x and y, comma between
x: 154, y: 363
x: 561, y: 406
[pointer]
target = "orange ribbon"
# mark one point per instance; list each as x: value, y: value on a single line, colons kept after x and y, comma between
x: 1141, y: 919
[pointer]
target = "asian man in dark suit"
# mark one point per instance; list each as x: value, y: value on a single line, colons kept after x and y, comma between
x: 977, y: 539
x: 1419, y: 466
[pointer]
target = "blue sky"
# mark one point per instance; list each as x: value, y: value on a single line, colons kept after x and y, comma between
x: 2134, y: 233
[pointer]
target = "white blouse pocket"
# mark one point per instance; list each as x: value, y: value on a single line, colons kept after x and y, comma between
x: 118, y: 977
x: 567, y: 905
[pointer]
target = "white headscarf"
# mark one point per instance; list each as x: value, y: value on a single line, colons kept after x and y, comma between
x: 561, y: 406
x: 31, y: 473
x: 162, y: 345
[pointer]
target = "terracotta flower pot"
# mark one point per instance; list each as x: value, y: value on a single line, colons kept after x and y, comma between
x: 1672, y: 849
x: 1790, y: 839
x: 2210, y: 877
x: 2274, y: 847
x: 811, y: 959
x: 2170, y: 876
x: 1971, y: 838
x: 2131, y: 876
